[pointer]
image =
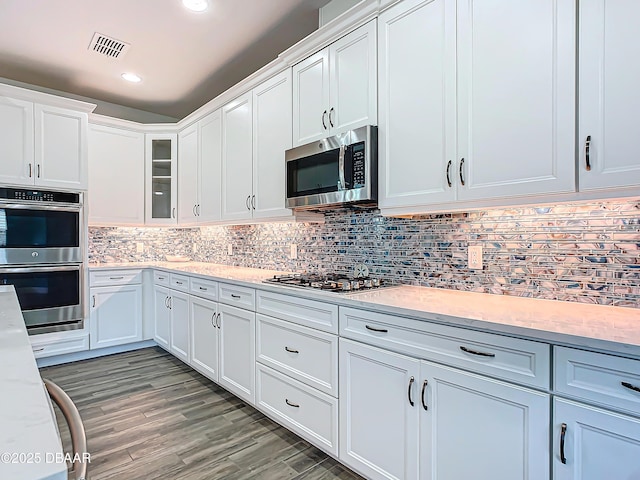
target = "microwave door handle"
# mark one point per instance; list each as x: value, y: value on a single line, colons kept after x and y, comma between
x: 341, y: 184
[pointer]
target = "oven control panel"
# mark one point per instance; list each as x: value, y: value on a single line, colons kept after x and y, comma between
x: 38, y: 195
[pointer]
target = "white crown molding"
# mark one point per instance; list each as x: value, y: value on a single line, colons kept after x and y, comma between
x: 45, y: 98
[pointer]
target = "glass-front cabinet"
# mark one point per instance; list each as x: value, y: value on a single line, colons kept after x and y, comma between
x: 161, y: 170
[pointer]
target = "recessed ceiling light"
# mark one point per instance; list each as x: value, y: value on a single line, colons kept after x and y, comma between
x: 131, y: 77
x: 196, y: 5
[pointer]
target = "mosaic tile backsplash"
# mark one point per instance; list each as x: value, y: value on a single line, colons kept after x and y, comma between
x: 583, y: 253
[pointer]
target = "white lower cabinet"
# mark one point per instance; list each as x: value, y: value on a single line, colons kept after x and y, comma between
x: 237, y: 351
x: 179, y: 315
x: 162, y: 316
x: 401, y: 418
x: 116, y: 315
x: 203, y: 317
x: 594, y: 444
x: 379, y: 416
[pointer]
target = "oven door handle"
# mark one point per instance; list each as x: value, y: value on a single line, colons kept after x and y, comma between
x: 341, y: 183
x: 66, y: 207
x: 34, y: 269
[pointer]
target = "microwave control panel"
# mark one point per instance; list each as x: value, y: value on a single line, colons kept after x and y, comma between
x: 357, y: 161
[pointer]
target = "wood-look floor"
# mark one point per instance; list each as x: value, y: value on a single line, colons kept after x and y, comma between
x: 149, y: 416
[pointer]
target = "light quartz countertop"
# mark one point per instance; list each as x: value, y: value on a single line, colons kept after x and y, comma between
x: 29, y: 442
x: 613, y: 329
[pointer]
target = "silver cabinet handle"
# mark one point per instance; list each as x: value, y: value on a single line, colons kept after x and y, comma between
x: 173, y: 212
x: 170, y: 303
x: 203, y: 289
x: 448, y: 177
x: 330, y: 115
x: 290, y: 350
x: 587, y: 153
x: 373, y: 329
x: 194, y: 211
x: 30, y: 170
x: 630, y: 386
x: 198, y: 209
x: 38, y: 170
x: 213, y: 320
x: 424, y: 387
x: 563, y: 432
x: 116, y: 278
x: 476, y: 352
x: 253, y: 202
x: 178, y: 282
x: 166, y: 302
x: 93, y: 304
x: 76, y: 428
x: 233, y: 295
x: 411, y: 380
x: 324, y: 116
x: 247, y: 202
x: 218, y: 320
x: 461, y: 172
x: 38, y: 349
x: 295, y: 405
x: 162, y: 278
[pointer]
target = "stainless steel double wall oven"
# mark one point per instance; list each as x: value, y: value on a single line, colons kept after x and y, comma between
x: 42, y: 255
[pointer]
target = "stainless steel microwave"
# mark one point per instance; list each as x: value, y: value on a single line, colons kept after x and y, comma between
x: 335, y: 171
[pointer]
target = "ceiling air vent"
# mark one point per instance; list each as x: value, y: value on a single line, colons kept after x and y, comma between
x: 108, y: 46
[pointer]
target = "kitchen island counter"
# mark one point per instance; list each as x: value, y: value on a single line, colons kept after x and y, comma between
x: 608, y: 328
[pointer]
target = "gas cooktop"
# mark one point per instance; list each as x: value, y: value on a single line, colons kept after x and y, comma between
x: 331, y: 282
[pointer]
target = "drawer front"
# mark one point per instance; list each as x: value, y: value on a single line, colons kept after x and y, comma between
x: 59, y: 347
x: 309, y: 313
x: 604, y: 379
x: 237, y: 296
x: 311, y: 414
x: 204, y: 288
x: 179, y: 282
x: 305, y: 354
x: 103, y: 278
x: 161, y: 278
x: 521, y: 361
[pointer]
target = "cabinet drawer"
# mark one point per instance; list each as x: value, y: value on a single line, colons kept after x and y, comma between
x: 237, y: 296
x: 161, y: 278
x: 309, y: 313
x: 604, y: 379
x: 49, y: 348
x: 204, y: 288
x: 522, y: 361
x: 305, y: 354
x: 179, y: 282
x: 311, y: 414
x: 114, y: 277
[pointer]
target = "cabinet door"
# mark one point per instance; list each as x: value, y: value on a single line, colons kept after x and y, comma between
x: 204, y: 336
x: 188, y: 174
x: 271, y: 137
x: 353, y: 82
x: 179, y: 306
x: 16, y: 142
x: 116, y: 315
x: 597, y: 444
x: 516, y: 97
x: 237, y: 351
x: 209, y: 180
x: 608, y: 101
x: 378, y: 423
x: 162, y: 325
x: 237, y: 152
x: 161, y: 169
x: 502, y: 429
x: 60, y: 148
x: 311, y: 98
x: 112, y: 152
x: 417, y: 141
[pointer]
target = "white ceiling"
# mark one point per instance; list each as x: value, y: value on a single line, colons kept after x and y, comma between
x: 185, y: 59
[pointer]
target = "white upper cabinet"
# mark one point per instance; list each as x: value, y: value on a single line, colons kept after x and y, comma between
x: 161, y: 186
x: 476, y: 101
x: 188, y: 174
x: 112, y: 152
x: 60, y: 148
x: 271, y: 137
x: 210, y: 167
x: 336, y: 89
x: 237, y: 158
x: 516, y: 97
x: 417, y: 142
x: 16, y: 141
x: 609, y: 76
